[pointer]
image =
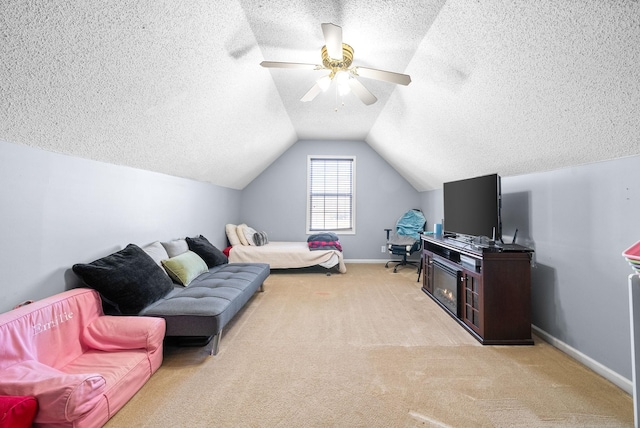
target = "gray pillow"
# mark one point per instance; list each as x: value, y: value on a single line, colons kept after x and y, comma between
x: 157, y: 252
x: 128, y: 278
x: 175, y: 247
x: 260, y: 238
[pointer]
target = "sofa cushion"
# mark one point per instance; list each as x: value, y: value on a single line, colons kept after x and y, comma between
x: 17, y: 411
x: 185, y: 267
x: 211, y: 300
x: 122, y: 333
x: 175, y: 247
x: 207, y: 251
x: 129, y: 279
x: 62, y: 397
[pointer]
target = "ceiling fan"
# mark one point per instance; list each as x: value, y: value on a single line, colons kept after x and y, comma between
x: 337, y: 58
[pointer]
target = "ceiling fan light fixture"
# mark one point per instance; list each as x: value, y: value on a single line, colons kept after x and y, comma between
x: 342, y: 80
x: 324, y: 82
x: 343, y: 90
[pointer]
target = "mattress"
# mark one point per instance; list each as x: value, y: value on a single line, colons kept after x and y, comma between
x: 287, y: 255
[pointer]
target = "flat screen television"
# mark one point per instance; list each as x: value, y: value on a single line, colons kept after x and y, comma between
x: 472, y: 207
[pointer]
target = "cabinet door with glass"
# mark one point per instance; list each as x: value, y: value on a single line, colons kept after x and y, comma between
x: 427, y: 272
x: 472, y: 313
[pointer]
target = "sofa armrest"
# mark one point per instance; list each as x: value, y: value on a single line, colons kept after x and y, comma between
x: 117, y: 333
x: 62, y: 397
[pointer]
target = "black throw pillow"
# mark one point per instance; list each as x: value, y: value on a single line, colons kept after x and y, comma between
x: 207, y: 252
x: 128, y: 278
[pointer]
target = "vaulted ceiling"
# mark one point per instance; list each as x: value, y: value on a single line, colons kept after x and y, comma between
x: 507, y: 86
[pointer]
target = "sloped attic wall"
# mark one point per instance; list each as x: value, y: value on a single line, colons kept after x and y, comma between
x: 176, y: 87
x: 516, y: 87
x: 151, y: 85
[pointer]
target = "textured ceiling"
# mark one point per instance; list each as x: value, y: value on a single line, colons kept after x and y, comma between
x: 511, y: 87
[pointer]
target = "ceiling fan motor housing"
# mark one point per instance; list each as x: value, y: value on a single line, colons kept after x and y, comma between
x: 335, y: 64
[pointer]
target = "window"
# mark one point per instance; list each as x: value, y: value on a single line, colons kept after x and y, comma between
x: 331, y: 194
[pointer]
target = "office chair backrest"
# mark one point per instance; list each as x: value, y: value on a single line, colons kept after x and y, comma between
x: 411, y: 224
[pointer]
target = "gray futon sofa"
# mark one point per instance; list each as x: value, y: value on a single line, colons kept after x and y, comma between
x: 188, y: 282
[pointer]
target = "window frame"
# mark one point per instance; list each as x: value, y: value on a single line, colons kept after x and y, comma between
x: 352, y: 229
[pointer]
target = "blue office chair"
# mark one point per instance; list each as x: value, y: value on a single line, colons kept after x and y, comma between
x: 405, y: 240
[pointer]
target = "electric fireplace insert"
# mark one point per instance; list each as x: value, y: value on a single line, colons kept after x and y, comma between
x: 445, y: 286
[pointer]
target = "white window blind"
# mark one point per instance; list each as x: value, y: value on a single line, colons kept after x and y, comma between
x: 331, y: 194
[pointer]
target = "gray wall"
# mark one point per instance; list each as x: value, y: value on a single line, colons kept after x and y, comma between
x: 433, y: 207
x: 58, y: 210
x: 276, y: 200
x: 579, y: 221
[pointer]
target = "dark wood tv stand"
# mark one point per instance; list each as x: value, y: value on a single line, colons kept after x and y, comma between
x: 492, y: 283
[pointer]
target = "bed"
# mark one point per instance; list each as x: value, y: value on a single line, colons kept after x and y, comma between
x: 287, y: 255
x: 279, y: 254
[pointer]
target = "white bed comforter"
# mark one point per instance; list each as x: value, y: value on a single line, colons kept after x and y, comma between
x: 286, y: 255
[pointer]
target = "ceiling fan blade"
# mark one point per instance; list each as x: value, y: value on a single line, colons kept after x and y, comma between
x: 313, y: 92
x: 275, y: 64
x: 361, y: 92
x: 387, y: 76
x: 333, y: 40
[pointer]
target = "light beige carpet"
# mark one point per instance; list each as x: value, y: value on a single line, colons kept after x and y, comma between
x: 367, y: 349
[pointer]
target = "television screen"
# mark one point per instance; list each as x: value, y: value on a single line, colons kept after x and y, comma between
x: 472, y: 206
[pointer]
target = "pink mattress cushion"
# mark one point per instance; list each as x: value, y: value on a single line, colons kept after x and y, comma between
x: 61, y: 396
x: 17, y: 412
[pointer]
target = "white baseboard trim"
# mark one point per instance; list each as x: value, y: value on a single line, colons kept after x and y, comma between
x: 613, y: 377
x: 365, y: 261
